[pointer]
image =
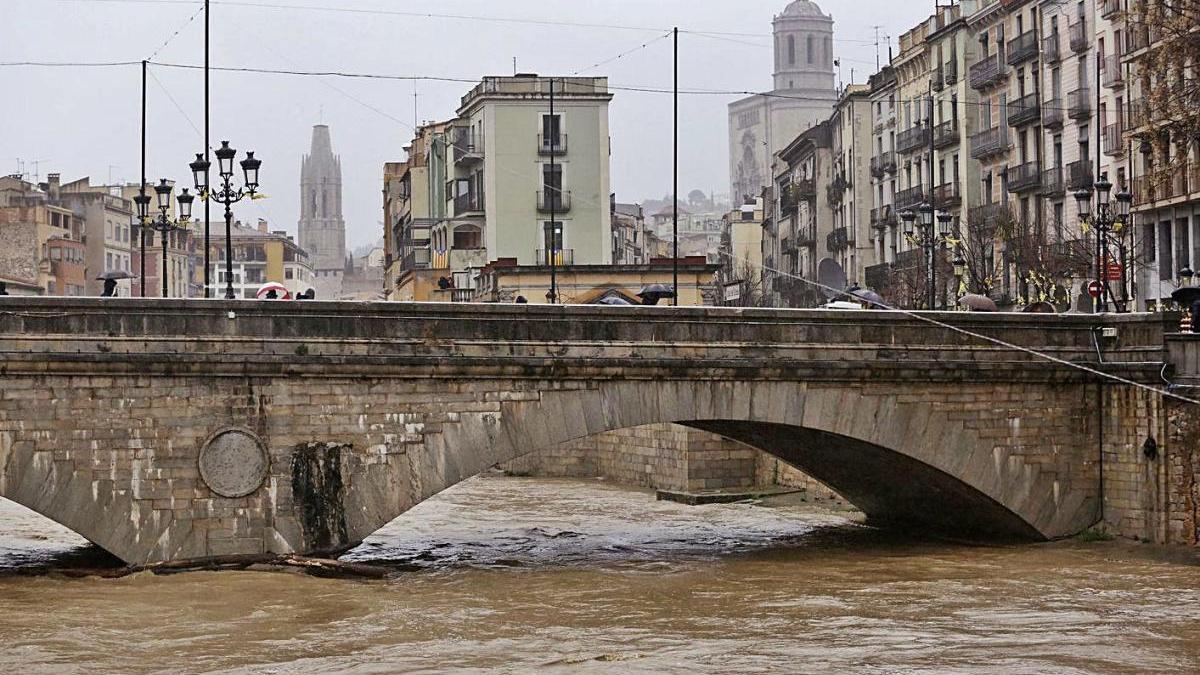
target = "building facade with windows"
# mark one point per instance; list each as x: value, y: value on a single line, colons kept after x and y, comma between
x: 261, y: 255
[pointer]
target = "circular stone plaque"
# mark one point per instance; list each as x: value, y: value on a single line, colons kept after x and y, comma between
x: 233, y: 463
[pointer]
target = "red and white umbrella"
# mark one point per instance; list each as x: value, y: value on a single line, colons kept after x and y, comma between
x: 281, y: 291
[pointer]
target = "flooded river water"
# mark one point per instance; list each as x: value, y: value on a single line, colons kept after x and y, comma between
x: 505, y: 574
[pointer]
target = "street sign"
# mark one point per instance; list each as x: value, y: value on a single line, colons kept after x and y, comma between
x: 1115, y: 272
x: 1095, y: 289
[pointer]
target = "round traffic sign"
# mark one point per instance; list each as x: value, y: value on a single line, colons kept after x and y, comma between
x: 1095, y: 289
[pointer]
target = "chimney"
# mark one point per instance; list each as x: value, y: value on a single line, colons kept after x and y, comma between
x: 262, y: 226
x: 52, y: 186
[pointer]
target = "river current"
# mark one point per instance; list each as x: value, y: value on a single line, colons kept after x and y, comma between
x: 519, y: 575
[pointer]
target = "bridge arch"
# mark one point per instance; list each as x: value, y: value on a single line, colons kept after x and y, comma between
x: 900, y: 461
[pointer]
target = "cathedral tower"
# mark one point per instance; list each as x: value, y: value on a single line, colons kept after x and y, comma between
x: 322, y: 228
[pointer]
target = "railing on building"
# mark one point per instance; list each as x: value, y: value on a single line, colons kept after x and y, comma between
x: 1113, y: 75
x: 838, y: 240
x: 467, y: 146
x: 939, y: 78
x: 805, y: 235
x: 1144, y: 191
x: 806, y: 189
x: 912, y: 139
x: 950, y: 70
x: 945, y: 134
x: 552, y: 145
x: 417, y: 259
x: 788, y: 200
x: 1137, y: 37
x: 1025, y: 177
x: 883, y: 164
x: 1023, y: 48
x: 558, y: 201
x: 1052, y: 113
x: 987, y: 72
x: 562, y: 256
x: 987, y: 213
x: 1109, y: 8
x: 469, y: 202
x: 1079, y: 40
x: 1139, y: 113
x: 1052, y: 182
x: 1025, y: 110
x: 1050, y: 48
x: 990, y: 142
x: 1114, y: 140
x: 947, y: 195
x: 906, y: 199
x: 1079, y: 104
x: 1080, y: 175
x: 883, y: 217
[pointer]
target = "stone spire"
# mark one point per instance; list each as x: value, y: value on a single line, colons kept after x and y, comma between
x: 322, y: 228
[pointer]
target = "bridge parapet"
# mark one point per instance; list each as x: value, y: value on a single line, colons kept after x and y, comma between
x: 1183, y: 353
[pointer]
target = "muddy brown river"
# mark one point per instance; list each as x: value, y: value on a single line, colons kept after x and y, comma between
x: 518, y: 575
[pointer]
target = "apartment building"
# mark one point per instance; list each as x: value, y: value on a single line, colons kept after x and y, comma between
x: 1164, y: 158
x: 628, y: 233
x: 742, y: 272
x: 43, y: 251
x: 849, y: 194
x: 885, y: 225
x: 261, y: 255
x: 108, y: 227
x: 800, y: 220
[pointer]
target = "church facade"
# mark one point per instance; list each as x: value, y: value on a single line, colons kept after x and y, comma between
x: 804, y: 94
x: 322, y: 228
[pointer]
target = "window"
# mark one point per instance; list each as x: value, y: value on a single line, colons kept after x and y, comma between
x: 1166, y: 268
x: 1182, y: 250
x: 791, y: 50
x: 557, y: 236
x: 551, y: 128
x: 810, y: 49
x: 108, y: 261
x: 288, y: 274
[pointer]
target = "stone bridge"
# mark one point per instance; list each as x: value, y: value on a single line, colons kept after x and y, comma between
x: 167, y: 431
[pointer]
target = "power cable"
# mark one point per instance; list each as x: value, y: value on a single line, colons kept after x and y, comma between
x: 177, y: 32
x: 622, y: 54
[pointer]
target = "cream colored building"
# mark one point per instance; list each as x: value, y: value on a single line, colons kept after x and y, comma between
x: 849, y: 194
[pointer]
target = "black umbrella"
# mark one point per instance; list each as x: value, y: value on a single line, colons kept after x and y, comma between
x: 1187, y: 296
x: 613, y: 300
x: 651, y: 294
x: 115, y: 275
x: 871, y: 298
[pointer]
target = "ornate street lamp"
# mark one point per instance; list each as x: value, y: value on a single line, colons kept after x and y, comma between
x: 929, y: 240
x: 226, y: 194
x: 1106, y: 218
x: 960, y: 270
x: 1186, y: 275
x: 163, y: 223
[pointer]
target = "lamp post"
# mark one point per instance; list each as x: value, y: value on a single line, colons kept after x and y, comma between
x: 1106, y: 218
x: 929, y: 240
x: 226, y: 194
x: 960, y: 270
x: 163, y: 223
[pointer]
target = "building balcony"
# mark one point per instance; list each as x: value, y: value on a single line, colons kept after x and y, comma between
x: 883, y: 164
x: 1139, y: 114
x: 1113, y: 75
x: 986, y: 213
x: 991, y: 142
x: 468, y: 148
x: 1110, y: 8
x: 883, y: 217
x: 1078, y: 38
x: 560, y: 257
x: 1137, y: 38
x: 805, y: 189
x: 912, y: 197
x: 1052, y: 113
x: 947, y: 195
x: 988, y: 72
x: 950, y: 71
x: 938, y: 81
x: 1079, y: 104
x: 1080, y: 175
x: 551, y: 200
x: 552, y: 145
x: 1114, y: 140
x: 945, y: 134
x: 838, y: 240
x: 417, y: 259
x: 1025, y: 177
x: 1023, y: 48
x: 1148, y: 190
x: 1025, y: 110
x: 1051, y: 52
x: 912, y: 139
x: 1052, y: 182
x: 467, y: 204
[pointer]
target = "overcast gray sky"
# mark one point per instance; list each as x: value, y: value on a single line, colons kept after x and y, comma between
x: 85, y: 121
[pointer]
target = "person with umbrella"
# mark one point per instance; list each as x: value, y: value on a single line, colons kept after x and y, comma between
x: 110, y: 279
x: 654, y: 293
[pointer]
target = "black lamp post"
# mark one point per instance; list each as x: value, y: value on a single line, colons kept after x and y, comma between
x: 960, y: 270
x: 930, y: 240
x: 227, y: 195
x: 1107, y: 219
x: 163, y: 223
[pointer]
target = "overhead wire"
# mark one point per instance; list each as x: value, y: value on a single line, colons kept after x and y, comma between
x: 179, y: 30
